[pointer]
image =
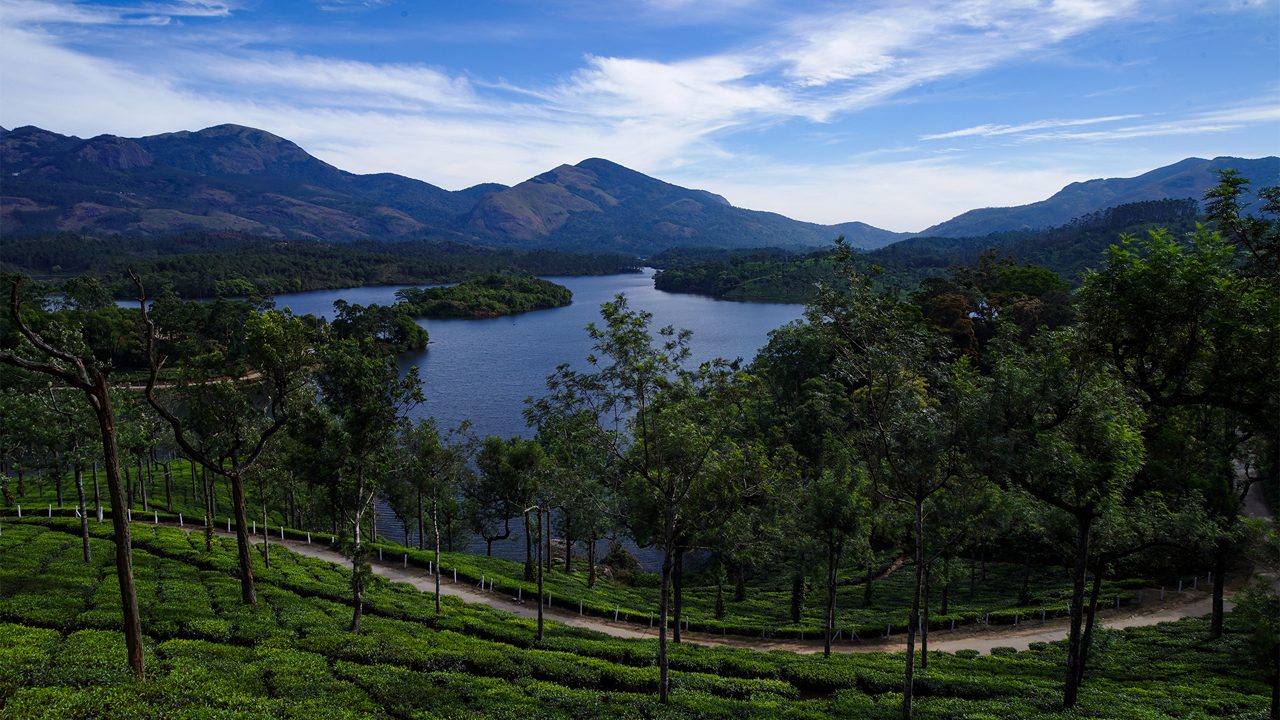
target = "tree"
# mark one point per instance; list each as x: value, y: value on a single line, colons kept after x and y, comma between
x: 430, y: 475
x: 1063, y: 429
x: 578, y: 472
x: 224, y: 423
x: 681, y: 467
x: 364, y: 399
x: 1191, y: 328
x: 512, y: 472
x: 910, y: 408
x: 68, y: 361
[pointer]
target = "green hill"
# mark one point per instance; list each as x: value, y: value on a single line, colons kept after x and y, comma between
x: 291, y: 656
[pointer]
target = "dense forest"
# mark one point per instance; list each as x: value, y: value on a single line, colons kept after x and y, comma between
x: 998, y: 447
x: 482, y: 297
x: 779, y: 276
x: 206, y: 265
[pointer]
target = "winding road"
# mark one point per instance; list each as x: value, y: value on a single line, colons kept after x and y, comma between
x: 1191, y: 603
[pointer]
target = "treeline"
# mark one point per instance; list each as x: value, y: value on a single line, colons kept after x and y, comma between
x: 1110, y: 430
x: 206, y: 265
x: 777, y: 276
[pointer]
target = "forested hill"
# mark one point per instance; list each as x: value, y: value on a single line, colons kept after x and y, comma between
x: 1188, y: 178
x: 776, y: 276
x: 235, y: 178
x: 202, y: 264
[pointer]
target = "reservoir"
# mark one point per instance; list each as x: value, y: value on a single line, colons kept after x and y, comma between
x: 483, y: 370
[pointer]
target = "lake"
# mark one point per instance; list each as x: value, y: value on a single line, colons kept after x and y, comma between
x: 483, y: 370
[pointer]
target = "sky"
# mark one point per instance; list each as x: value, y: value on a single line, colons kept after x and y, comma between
x: 900, y: 113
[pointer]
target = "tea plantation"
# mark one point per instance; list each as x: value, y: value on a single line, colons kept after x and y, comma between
x: 289, y: 656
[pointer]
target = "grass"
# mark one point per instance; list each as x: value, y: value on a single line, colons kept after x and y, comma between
x: 291, y: 656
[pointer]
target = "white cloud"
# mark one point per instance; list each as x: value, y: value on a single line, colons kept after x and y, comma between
x: 665, y: 118
x: 905, y: 196
x: 992, y: 130
x: 882, y: 51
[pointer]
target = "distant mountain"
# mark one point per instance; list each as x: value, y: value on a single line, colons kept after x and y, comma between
x: 1188, y: 178
x: 235, y: 178
x: 225, y: 177
x: 600, y: 205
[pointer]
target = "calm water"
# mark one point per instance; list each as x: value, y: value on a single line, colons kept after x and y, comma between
x: 483, y: 370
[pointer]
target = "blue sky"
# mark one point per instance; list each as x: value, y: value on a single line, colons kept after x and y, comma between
x: 898, y: 113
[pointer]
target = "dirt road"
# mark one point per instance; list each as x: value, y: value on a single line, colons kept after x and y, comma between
x: 1176, y: 606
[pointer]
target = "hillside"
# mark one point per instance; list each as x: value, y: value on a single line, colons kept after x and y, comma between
x: 61, y: 654
x: 774, y: 276
x: 239, y: 179
x: 1189, y: 178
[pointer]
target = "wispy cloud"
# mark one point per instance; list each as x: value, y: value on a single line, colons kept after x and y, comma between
x: 1201, y: 123
x: 673, y: 117
x: 28, y: 12
x: 991, y: 130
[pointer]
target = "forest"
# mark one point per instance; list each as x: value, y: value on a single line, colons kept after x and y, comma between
x: 995, y: 447
x: 782, y: 276
x: 214, y: 265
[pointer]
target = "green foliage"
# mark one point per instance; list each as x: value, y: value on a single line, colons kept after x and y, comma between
x: 206, y: 265
x: 483, y: 297
x: 291, y: 657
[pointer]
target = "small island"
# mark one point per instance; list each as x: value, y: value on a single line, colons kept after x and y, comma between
x: 485, y: 296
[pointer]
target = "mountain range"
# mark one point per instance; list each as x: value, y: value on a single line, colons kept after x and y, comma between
x: 235, y: 178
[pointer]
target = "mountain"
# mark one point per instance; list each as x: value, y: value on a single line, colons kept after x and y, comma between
x: 235, y: 178
x: 1188, y: 178
x: 226, y: 177
x: 601, y: 205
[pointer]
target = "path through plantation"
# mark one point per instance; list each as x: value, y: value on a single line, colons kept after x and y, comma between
x: 1191, y: 603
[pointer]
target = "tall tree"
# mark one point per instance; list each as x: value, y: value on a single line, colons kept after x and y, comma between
x: 365, y: 399
x: 672, y: 431
x: 1063, y: 429
x: 225, y: 422
x: 430, y: 475
x: 911, y: 409
x: 68, y: 360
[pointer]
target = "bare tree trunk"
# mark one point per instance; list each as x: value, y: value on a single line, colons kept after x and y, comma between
x: 168, y: 486
x: 421, y: 529
x: 57, y: 483
x: 1087, y: 639
x: 946, y: 585
x: 1071, y: 690
x: 913, y: 622
x: 677, y: 588
x: 833, y: 558
x: 1219, y: 587
x: 84, y: 511
x: 435, y: 525
x: 664, y: 596
x: 142, y: 487
x: 924, y: 624
x: 541, y: 596
x: 357, y: 576
x: 101, y: 400
x: 866, y: 588
x: 547, y: 535
x: 266, y: 535
x: 243, y: 543
x: 207, y: 495
x: 591, y: 562
x: 528, y: 549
